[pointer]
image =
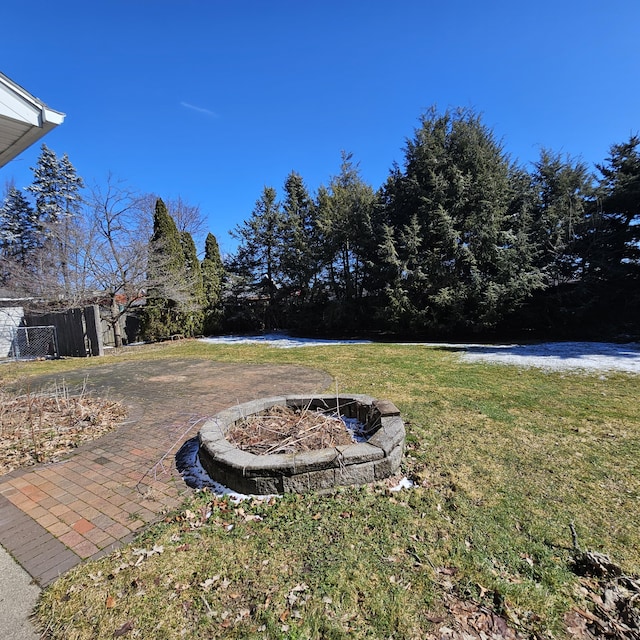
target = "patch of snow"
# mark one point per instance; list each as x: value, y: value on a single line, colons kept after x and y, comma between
x: 558, y: 356
x: 552, y: 356
x: 355, y: 428
x: 196, y: 477
x: 405, y: 483
x: 279, y: 340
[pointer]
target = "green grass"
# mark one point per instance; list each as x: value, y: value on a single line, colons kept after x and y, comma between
x: 504, y: 458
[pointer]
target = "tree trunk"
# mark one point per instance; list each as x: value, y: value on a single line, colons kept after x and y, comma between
x: 115, y: 323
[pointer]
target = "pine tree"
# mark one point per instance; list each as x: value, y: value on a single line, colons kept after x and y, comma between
x: 46, y: 187
x: 18, y: 227
x: 611, y: 253
x: 168, y: 289
x: 618, y: 214
x: 475, y: 263
x: 298, y: 253
x: 256, y: 262
x: 562, y: 191
x: 345, y: 231
x: 401, y: 271
x: 56, y: 188
x: 192, y: 314
x: 212, y: 278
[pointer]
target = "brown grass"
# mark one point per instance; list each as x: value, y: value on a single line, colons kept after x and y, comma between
x: 504, y: 460
x: 43, y: 426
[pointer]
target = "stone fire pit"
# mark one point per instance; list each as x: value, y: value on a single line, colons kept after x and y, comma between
x: 378, y: 457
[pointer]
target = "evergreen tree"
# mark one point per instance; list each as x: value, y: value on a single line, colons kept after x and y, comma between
x: 18, y: 228
x: 46, y: 187
x: 213, y: 279
x: 617, y: 217
x: 401, y: 272
x: 345, y: 231
x: 256, y: 262
x: 455, y: 200
x: 561, y: 189
x: 611, y: 251
x: 192, y: 312
x: 168, y: 290
x: 298, y: 250
x: 56, y: 189
x: 554, y: 201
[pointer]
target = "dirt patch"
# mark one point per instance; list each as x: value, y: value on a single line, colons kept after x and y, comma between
x: 286, y: 430
x: 170, y: 379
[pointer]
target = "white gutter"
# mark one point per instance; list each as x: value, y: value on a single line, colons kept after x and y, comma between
x: 23, y: 119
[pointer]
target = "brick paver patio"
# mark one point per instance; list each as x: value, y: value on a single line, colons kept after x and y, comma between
x: 54, y: 516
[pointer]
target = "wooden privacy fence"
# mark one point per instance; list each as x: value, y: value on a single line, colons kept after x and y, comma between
x: 130, y: 326
x: 79, y: 331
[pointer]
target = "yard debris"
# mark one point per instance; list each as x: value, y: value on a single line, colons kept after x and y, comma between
x: 143, y: 554
x: 465, y: 620
x: 404, y: 483
x: 294, y: 594
x: 209, y: 582
x: 615, y: 597
x: 286, y: 430
x: 44, y: 426
x: 592, y: 563
x: 124, y: 629
x: 615, y: 610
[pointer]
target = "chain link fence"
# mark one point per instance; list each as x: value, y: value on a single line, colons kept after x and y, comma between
x: 31, y: 343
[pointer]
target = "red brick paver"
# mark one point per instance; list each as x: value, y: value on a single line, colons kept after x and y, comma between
x: 54, y: 516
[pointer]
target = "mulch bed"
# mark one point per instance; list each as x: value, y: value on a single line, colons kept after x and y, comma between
x: 285, y: 430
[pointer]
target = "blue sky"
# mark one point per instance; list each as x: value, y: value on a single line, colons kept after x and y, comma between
x: 212, y: 100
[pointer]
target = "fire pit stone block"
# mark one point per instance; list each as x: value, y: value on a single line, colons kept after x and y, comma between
x: 359, y: 463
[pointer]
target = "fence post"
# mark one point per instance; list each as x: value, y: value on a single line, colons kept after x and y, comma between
x: 56, y: 351
x: 94, y: 330
x: 15, y: 347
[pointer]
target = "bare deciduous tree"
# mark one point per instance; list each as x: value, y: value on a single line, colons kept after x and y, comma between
x: 187, y: 217
x: 118, y: 258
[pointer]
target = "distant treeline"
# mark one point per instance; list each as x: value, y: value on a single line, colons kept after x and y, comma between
x: 459, y: 241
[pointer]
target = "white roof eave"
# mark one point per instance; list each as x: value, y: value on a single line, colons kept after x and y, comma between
x: 23, y: 119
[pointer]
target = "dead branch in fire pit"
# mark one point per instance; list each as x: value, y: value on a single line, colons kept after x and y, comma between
x: 285, y: 430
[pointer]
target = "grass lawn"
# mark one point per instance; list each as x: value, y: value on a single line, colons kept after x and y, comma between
x: 504, y: 459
